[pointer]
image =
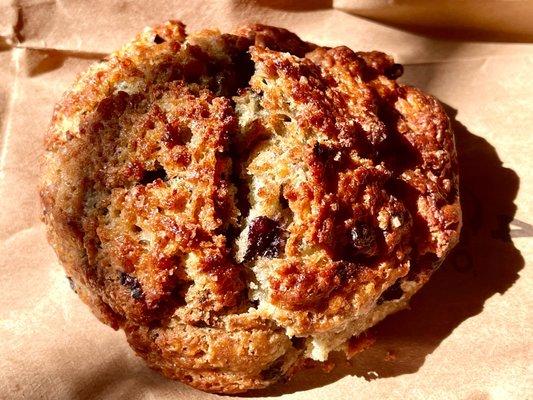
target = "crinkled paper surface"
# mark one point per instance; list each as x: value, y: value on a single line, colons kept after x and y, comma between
x: 468, y: 332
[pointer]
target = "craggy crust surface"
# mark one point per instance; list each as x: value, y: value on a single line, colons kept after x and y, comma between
x: 242, y: 203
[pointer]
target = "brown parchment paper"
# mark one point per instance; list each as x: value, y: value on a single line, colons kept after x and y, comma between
x: 468, y: 332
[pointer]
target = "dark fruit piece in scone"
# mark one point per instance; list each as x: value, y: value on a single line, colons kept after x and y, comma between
x: 265, y: 239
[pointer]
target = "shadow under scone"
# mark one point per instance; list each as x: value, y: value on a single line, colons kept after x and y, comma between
x: 484, y: 263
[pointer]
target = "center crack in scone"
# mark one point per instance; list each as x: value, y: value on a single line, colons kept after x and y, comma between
x: 240, y: 204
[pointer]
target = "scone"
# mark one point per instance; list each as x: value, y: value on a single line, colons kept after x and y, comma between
x: 240, y: 204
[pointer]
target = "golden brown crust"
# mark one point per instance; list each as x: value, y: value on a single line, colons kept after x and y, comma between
x: 241, y: 203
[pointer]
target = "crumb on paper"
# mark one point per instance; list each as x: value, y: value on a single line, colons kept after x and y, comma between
x: 390, y: 356
x: 328, y: 366
x: 373, y: 375
x: 358, y: 344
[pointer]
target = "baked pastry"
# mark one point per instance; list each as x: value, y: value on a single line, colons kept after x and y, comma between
x: 242, y: 203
